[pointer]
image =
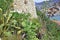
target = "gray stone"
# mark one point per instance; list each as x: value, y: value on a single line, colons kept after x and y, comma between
x: 26, y: 6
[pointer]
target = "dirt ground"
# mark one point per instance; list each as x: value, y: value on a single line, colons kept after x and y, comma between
x: 58, y: 22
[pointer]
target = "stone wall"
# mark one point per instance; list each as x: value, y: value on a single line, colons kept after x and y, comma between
x: 26, y: 6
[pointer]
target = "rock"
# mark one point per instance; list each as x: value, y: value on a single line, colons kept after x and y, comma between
x: 25, y: 6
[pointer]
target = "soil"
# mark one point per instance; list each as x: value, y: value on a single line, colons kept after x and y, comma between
x: 58, y: 22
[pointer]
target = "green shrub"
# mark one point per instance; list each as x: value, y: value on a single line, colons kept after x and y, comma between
x: 14, y: 23
x: 5, y: 5
x: 52, y: 29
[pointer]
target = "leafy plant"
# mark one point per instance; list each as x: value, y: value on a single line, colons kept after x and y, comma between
x: 30, y: 28
x: 16, y: 23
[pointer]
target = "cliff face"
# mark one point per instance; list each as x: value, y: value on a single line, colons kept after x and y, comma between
x: 26, y: 6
